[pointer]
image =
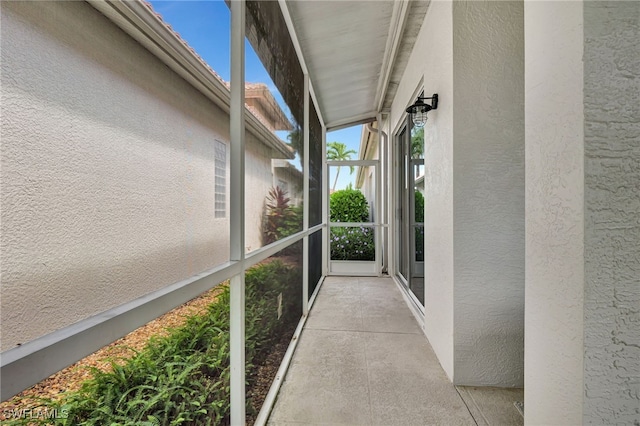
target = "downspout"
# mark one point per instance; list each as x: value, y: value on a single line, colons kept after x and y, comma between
x: 371, y: 129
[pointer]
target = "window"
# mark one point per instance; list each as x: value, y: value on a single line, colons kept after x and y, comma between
x: 221, y: 180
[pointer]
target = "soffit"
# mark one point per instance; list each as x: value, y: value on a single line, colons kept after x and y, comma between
x: 355, y: 52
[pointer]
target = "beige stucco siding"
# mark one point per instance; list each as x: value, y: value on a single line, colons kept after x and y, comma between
x: 107, y: 170
x: 471, y: 55
x: 258, y: 182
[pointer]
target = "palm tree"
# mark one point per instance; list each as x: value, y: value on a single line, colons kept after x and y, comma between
x: 337, y: 151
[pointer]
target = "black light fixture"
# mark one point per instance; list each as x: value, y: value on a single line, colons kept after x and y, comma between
x: 419, y: 109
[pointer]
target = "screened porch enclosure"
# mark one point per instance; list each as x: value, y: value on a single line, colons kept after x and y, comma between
x: 251, y: 179
x: 137, y: 179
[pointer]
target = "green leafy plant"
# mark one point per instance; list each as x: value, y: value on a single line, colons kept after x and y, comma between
x: 280, y: 219
x: 184, y: 377
x: 348, y: 205
x: 350, y: 243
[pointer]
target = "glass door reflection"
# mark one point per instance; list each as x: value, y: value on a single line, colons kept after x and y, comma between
x: 410, y: 205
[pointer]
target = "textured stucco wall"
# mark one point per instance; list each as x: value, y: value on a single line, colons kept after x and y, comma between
x: 258, y: 182
x: 471, y: 54
x: 107, y: 170
x: 488, y: 192
x: 554, y: 269
x: 432, y: 62
x: 612, y: 212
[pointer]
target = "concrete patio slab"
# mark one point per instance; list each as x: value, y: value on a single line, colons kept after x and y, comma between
x: 362, y: 359
x: 493, y: 406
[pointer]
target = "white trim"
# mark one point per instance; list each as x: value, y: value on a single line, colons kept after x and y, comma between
x: 354, y: 268
x: 237, y: 216
x: 341, y: 163
x: 305, y: 206
x: 270, y: 399
x: 266, y: 252
x: 294, y: 37
x: 316, y: 228
x: 296, y: 45
x: 237, y: 349
x: 378, y: 207
x: 36, y: 360
x: 325, y: 204
x: 398, y: 21
x: 412, y: 302
x: 355, y: 224
x: 316, y: 105
x: 364, y: 118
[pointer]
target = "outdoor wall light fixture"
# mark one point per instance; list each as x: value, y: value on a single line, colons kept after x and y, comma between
x: 419, y: 110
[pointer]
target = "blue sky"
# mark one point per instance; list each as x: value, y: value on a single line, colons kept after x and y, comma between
x: 204, y: 25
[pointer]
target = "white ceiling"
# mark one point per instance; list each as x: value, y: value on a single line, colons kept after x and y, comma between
x: 355, y: 52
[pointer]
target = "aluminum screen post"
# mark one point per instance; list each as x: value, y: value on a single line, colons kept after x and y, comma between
x: 237, y: 201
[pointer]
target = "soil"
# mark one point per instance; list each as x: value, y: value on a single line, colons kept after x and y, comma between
x: 71, y: 378
x: 265, y: 373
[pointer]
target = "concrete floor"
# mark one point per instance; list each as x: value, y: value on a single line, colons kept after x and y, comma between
x: 362, y: 359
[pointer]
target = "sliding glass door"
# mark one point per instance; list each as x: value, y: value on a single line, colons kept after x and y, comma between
x: 410, y: 175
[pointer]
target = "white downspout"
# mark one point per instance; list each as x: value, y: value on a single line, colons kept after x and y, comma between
x: 382, y: 238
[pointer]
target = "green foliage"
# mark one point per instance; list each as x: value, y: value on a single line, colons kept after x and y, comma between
x: 419, y: 207
x: 184, y: 378
x: 280, y: 219
x: 417, y: 142
x: 337, y: 151
x: 348, y: 205
x: 419, y: 230
x: 352, y: 243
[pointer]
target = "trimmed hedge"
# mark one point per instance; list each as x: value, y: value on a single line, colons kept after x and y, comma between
x: 353, y: 243
x: 348, y: 205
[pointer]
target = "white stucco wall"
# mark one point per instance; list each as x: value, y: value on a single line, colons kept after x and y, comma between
x: 612, y: 212
x: 107, y: 170
x: 554, y: 155
x: 488, y: 192
x: 471, y: 54
x: 258, y: 183
x: 432, y: 61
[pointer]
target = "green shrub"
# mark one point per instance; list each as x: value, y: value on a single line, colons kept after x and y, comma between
x: 419, y: 230
x: 348, y: 205
x: 184, y: 378
x: 352, y: 243
x: 419, y: 207
x: 280, y: 219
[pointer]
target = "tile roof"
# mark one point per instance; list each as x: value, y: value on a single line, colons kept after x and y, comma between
x: 265, y: 97
x: 183, y: 41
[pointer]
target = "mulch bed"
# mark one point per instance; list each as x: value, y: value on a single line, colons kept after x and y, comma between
x: 265, y: 373
x: 71, y: 378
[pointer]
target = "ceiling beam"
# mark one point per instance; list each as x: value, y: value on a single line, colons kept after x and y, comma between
x: 303, y: 63
x: 397, y: 24
x: 368, y: 117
